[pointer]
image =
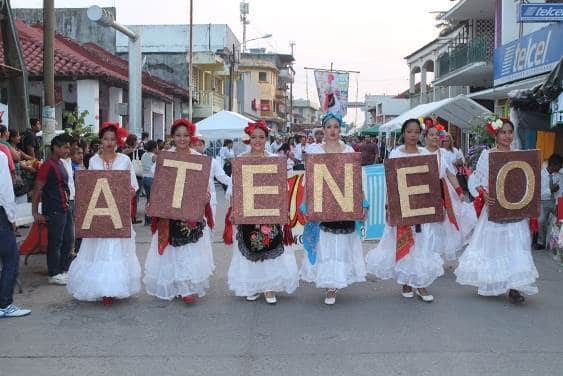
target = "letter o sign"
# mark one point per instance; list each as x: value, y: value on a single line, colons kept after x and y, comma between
x: 501, y: 181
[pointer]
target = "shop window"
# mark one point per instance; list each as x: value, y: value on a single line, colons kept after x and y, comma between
x: 263, y: 76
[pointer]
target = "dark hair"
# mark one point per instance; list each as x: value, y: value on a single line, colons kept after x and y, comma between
x: 160, y: 143
x: 13, y: 133
x: 104, y: 130
x: 150, y: 146
x: 144, y: 135
x: 285, y: 147
x: 60, y: 140
x: 406, y: 123
x: 3, y: 129
x: 555, y: 159
x: 94, y: 141
x: 131, y: 140
x: 227, y: 142
x: 507, y: 121
x: 33, y: 121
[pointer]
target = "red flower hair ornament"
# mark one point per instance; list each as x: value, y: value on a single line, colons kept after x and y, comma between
x: 493, y: 126
x: 183, y: 123
x: 120, y: 133
x: 261, y: 124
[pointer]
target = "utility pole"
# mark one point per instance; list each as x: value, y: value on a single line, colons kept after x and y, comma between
x: 49, y: 121
x: 244, y: 11
x: 190, y: 66
x: 292, y: 72
x: 232, y: 60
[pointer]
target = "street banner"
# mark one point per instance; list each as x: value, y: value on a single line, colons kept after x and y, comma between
x: 514, y: 181
x: 180, y: 187
x: 332, y: 88
x: 414, y: 194
x: 334, y: 187
x: 103, y: 204
x: 260, y: 190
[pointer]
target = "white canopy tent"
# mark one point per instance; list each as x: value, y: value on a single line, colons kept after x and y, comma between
x: 223, y: 124
x: 461, y: 111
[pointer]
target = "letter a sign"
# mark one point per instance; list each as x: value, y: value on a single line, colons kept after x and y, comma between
x: 414, y: 195
x: 103, y: 204
x: 333, y: 183
x: 179, y: 190
x: 514, y: 180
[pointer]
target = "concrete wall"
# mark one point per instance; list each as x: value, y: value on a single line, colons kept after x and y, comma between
x: 247, y: 91
x: 74, y: 23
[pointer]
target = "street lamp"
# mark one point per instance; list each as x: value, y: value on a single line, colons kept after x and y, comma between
x: 135, y: 105
x: 265, y: 36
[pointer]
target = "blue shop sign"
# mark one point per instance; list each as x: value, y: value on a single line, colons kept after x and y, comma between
x: 531, y: 55
x: 540, y: 12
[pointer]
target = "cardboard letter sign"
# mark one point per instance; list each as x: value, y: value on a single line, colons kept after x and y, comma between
x: 103, y: 204
x: 260, y: 190
x: 414, y: 195
x: 514, y: 180
x: 333, y: 183
x: 180, y: 186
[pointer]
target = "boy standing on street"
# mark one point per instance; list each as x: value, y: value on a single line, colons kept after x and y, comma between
x: 53, y: 191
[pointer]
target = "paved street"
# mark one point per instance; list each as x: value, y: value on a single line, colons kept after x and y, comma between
x: 371, y: 330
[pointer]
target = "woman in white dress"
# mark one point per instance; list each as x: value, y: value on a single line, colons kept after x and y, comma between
x: 180, y: 259
x: 107, y: 268
x: 339, y: 258
x: 450, y: 235
x: 263, y: 261
x: 498, y: 258
x: 406, y: 253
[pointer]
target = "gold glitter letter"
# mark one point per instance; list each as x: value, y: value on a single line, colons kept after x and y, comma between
x: 405, y: 191
x: 249, y: 190
x: 530, y: 185
x: 102, y: 187
x: 345, y: 200
x: 182, y: 167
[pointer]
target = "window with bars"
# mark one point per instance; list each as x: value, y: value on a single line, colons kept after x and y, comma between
x: 263, y: 76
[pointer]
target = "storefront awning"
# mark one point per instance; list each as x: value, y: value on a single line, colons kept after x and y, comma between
x: 501, y: 92
x: 461, y: 111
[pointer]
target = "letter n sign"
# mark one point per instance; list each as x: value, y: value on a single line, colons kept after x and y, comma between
x: 333, y: 183
x: 514, y: 180
x: 260, y: 190
x: 414, y: 195
x: 179, y: 189
x: 103, y: 204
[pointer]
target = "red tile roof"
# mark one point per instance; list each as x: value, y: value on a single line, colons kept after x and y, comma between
x: 74, y: 61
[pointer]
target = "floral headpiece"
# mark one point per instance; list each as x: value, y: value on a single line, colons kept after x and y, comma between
x: 331, y: 115
x: 183, y: 123
x: 493, y: 125
x: 120, y: 133
x: 261, y: 124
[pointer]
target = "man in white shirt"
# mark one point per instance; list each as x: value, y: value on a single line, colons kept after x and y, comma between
x: 9, y: 255
x: 276, y: 145
x: 550, y: 186
x: 318, y: 134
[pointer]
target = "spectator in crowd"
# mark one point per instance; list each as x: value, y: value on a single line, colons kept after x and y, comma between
x: 383, y: 152
x: 94, y: 147
x: 53, y: 191
x: 550, y: 191
x: 31, y: 143
x: 132, y: 151
x: 4, y: 140
x: 455, y: 156
x: 276, y: 145
x: 15, y: 142
x: 285, y: 151
x: 144, y: 140
x: 355, y: 144
x: 369, y: 150
x: 147, y: 161
x: 318, y: 136
x: 77, y: 158
x: 7, y: 150
x: 226, y: 153
x: 300, y: 152
x: 9, y: 254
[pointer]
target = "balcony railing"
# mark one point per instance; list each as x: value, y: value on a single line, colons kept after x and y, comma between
x: 476, y: 50
x: 208, y: 103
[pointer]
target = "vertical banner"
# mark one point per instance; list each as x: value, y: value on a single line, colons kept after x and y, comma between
x: 103, y: 204
x: 514, y: 181
x: 333, y: 91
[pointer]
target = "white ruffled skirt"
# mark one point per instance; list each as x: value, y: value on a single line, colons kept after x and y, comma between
x: 105, y: 268
x: 498, y: 258
x: 179, y: 271
x: 418, y: 269
x: 248, y: 278
x: 340, y: 261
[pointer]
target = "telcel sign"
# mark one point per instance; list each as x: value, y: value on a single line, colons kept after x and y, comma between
x: 533, y: 54
x: 540, y: 12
